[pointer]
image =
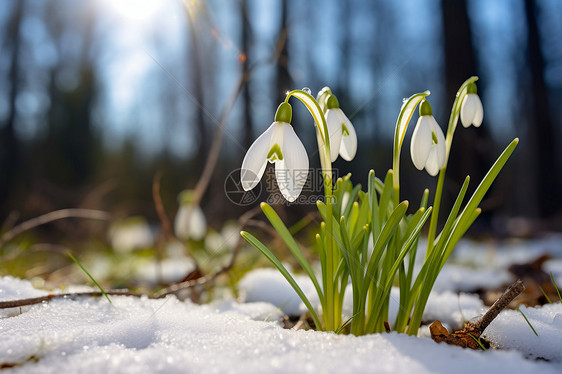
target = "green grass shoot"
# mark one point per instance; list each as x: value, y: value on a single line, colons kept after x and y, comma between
x: 529, y: 323
x: 477, y: 340
x: 89, y: 275
x: 545, y: 295
x: 555, y: 286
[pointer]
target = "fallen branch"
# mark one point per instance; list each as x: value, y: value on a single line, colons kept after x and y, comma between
x: 469, y: 337
x: 42, y: 299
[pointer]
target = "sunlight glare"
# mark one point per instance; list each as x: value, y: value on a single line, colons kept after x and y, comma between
x: 135, y: 10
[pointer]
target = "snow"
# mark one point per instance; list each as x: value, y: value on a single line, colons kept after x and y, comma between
x: 268, y: 285
x: 546, y: 320
x: 165, y: 336
x: 135, y: 335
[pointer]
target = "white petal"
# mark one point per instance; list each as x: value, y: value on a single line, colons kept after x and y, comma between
x: 334, y: 121
x: 255, y: 160
x: 292, y: 172
x: 348, y: 147
x: 479, y: 115
x: 197, y: 223
x: 432, y: 163
x: 472, y: 112
x: 420, y: 144
x: 466, y: 111
x: 441, y: 149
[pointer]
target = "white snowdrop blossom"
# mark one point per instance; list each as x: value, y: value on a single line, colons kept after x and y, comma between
x: 280, y: 145
x: 343, y: 139
x: 190, y: 222
x: 427, y: 147
x: 472, y: 111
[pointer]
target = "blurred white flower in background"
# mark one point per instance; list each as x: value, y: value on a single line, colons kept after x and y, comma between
x: 190, y: 222
x: 130, y: 234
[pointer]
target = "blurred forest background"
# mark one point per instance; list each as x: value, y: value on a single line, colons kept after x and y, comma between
x: 97, y: 96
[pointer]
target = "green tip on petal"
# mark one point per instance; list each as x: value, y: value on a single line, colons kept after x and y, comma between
x: 425, y: 108
x: 434, y: 138
x: 332, y: 102
x: 471, y: 88
x: 345, y: 131
x: 284, y: 113
x: 275, y: 153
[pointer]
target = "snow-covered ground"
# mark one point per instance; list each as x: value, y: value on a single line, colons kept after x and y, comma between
x: 133, y: 335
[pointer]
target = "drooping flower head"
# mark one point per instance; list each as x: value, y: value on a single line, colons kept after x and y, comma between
x: 279, y: 145
x: 427, y: 147
x: 343, y: 139
x: 472, y: 111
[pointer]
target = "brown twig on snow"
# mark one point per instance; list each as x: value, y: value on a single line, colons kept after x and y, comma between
x: 511, y: 293
x: 469, y: 336
x: 38, y: 300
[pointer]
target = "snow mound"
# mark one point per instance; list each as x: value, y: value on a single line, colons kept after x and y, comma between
x: 510, y: 331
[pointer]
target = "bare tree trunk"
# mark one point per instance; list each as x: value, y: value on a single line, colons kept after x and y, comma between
x: 195, y: 75
x: 545, y: 167
x: 246, y: 92
x: 284, y: 81
x: 346, y: 12
x: 10, y: 150
x: 471, y: 150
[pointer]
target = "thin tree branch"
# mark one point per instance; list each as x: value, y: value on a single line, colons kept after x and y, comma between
x: 243, y: 220
x: 164, y: 220
x: 50, y: 217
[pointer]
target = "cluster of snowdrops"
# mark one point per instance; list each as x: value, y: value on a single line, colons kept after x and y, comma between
x: 368, y: 239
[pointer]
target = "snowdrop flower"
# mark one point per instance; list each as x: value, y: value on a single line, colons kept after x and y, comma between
x: 472, y: 112
x: 190, y: 222
x: 427, y: 147
x: 343, y: 139
x: 279, y: 145
x: 130, y: 234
